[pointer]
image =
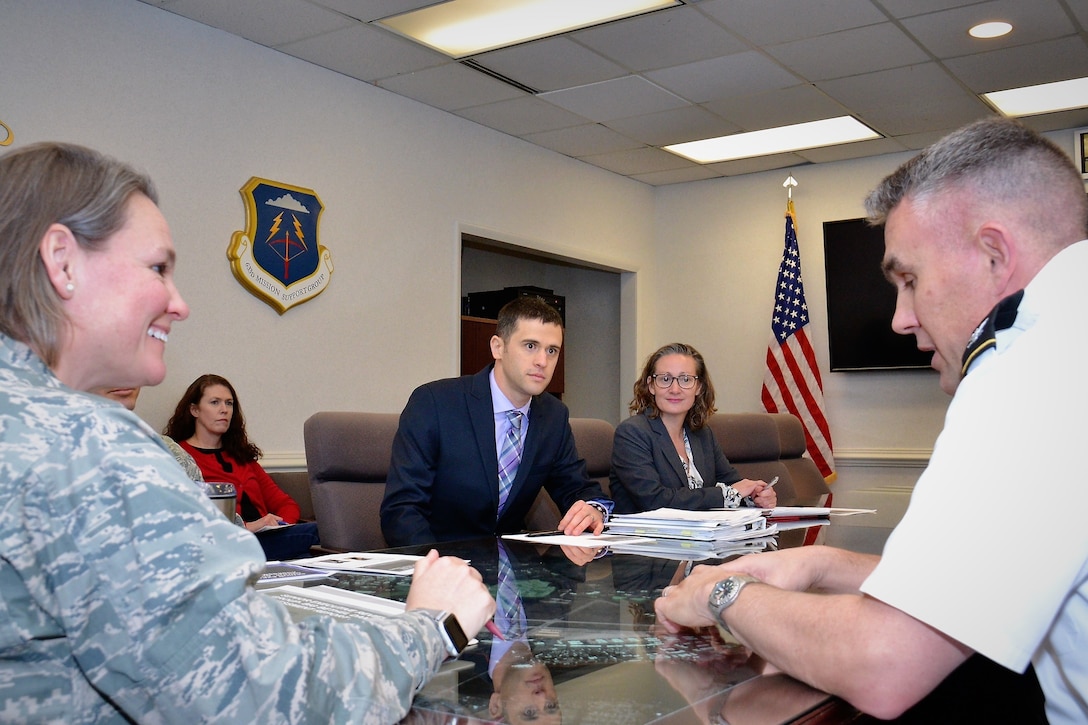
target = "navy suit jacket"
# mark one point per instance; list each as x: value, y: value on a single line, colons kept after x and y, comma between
x: 443, y: 478
x: 647, y: 473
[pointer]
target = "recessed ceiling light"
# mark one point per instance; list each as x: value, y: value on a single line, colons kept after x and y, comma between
x: 813, y: 134
x: 1045, y: 98
x: 460, y: 28
x: 990, y: 30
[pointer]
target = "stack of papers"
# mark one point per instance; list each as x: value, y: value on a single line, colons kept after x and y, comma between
x: 705, y: 528
x: 276, y: 572
x: 792, y: 513
x: 340, y: 604
x: 684, y: 550
x: 557, y: 538
x: 366, y: 562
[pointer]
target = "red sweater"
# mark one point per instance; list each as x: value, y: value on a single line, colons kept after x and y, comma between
x: 249, y: 479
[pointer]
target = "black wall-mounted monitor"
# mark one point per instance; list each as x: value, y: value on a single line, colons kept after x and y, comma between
x: 861, y: 302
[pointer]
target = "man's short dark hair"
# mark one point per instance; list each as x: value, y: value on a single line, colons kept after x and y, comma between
x: 529, y: 307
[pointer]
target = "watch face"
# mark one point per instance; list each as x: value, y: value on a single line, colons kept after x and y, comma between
x: 456, y: 634
x: 720, y: 593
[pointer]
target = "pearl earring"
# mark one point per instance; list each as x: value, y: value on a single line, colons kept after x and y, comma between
x: 70, y: 287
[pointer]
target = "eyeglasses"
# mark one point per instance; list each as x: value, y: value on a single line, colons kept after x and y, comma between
x: 664, y: 380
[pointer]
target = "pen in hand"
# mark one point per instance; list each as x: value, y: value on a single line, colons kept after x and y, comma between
x: 494, y: 630
x: 750, y: 501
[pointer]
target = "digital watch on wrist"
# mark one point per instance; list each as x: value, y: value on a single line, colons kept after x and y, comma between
x: 452, y: 635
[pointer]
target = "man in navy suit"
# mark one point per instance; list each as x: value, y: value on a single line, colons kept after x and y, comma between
x: 444, y: 479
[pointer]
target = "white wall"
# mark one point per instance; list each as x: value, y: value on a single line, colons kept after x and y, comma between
x: 204, y: 111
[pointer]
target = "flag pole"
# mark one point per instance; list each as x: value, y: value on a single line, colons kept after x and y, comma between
x: 789, y: 183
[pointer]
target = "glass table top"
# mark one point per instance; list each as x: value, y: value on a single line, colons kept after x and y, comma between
x: 582, y: 644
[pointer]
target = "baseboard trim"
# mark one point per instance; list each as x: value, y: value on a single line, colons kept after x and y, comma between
x: 883, y: 457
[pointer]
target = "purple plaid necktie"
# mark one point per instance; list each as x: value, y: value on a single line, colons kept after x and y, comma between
x: 509, y: 457
x: 509, y: 612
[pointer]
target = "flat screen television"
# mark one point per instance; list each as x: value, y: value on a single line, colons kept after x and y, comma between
x: 861, y: 302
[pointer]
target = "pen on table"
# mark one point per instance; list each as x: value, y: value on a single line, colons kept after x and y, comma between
x: 494, y: 630
x: 545, y: 533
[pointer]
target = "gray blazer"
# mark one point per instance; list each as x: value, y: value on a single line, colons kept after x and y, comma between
x: 648, y: 474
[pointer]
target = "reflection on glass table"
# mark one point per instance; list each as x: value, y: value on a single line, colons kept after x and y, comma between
x: 582, y: 646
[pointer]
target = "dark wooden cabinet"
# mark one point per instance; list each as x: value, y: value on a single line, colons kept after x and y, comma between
x: 476, y: 333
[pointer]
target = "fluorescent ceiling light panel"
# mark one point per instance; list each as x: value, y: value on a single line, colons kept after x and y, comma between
x: 813, y: 134
x: 1045, y: 98
x: 464, y: 27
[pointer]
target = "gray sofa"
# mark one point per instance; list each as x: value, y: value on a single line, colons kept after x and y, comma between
x: 347, y: 457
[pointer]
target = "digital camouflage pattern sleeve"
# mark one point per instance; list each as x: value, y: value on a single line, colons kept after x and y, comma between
x: 125, y: 596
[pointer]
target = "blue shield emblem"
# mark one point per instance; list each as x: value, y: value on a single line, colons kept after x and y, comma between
x: 278, y: 257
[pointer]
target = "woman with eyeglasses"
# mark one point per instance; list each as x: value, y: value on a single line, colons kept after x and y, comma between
x: 665, y: 455
x: 208, y: 424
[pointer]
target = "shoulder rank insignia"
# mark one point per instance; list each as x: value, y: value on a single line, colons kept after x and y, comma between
x: 1001, y: 317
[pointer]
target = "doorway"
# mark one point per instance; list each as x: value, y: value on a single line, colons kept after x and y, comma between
x: 592, y: 300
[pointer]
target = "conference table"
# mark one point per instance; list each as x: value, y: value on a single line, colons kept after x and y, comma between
x: 592, y: 652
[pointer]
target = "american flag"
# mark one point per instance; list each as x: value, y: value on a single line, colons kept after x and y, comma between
x: 792, y: 382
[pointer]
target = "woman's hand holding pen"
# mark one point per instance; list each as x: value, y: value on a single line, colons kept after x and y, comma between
x: 758, y: 493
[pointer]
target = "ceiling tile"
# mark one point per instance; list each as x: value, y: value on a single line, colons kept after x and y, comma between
x: 638, y: 161
x: 1023, y: 65
x: 520, y: 116
x: 364, y: 52
x: 550, y: 64
x: 268, y: 22
x: 618, y: 98
x: 778, y: 108
x: 849, y: 52
x: 450, y: 87
x: 738, y: 74
x: 856, y: 150
x: 945, y: 33
x: 690, y: 123
x: 919, y: 141
x: 904, y: 100
x: 907, y: 8
x: 367, y: 10
x: 660, y: 39
x: 768, y: 22
x: 587, y: 140
x: 1075, y: 118
x: 1080, y: 12
x: 756, y: 164
x: 676, y: 176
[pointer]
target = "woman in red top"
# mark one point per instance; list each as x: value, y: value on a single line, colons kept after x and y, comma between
x: 208, y: 423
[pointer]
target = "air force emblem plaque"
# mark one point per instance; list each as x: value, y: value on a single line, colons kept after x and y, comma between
x: 278, y: 257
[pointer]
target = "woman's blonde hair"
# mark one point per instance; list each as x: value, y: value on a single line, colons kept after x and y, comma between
x: 54, y: 183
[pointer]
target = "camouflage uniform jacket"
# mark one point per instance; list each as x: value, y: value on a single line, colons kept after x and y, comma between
x: 126, y: 597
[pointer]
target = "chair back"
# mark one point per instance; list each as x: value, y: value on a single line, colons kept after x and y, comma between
x: 808, y: 483
x: 593, y: 439
x: 347, y: 457
x: 751, y: 443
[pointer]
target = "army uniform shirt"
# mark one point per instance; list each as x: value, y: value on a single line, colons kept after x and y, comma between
x: 126, y: 597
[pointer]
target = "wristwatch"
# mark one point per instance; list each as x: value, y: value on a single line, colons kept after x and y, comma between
x: 725, y: 593
x: 452, y: 635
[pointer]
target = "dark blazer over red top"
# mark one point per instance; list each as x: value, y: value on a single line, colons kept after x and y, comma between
x: 648, y: 474
x: 443, y: 477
